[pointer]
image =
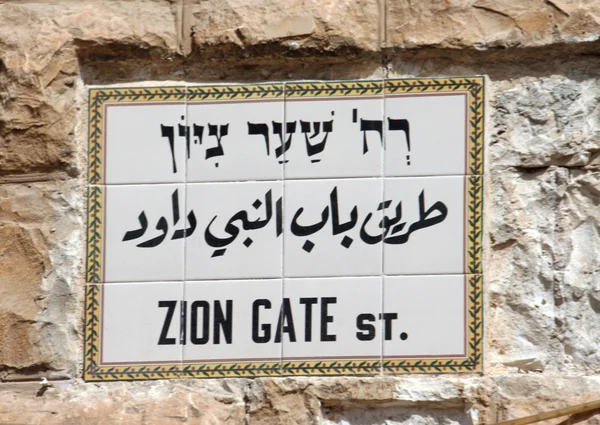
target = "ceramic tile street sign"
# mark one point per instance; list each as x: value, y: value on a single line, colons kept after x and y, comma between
x: 286, y: 229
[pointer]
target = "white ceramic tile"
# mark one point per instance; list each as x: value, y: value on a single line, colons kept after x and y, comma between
x: 143, y: 142
x: 426, y: 134
x: 331, y: 227
x: 429, y: 316
x: 144, y: 229
x: 141, y: 323
x: 426, y: 225
x: 336, y: 318
x: 334, y: 137
x: 232, y: 320
x: 239, y: 230
x: 234, y: 141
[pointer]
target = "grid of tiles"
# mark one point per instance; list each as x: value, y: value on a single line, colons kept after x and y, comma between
x: 305, y: 228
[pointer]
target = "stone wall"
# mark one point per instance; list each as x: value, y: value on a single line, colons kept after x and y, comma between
x: 542, y: 194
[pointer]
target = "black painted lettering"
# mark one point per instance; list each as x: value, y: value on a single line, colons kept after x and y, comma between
x: 368, y: 330
x: 387, y: 324
x: 286, y: 322
x: 308, y: 303
x: 325, y: 318
x: 223, y: 322
x: 265, y: 327
x: 194, y: 338
x: 170, y: 305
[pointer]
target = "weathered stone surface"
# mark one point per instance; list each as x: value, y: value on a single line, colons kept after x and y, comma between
x: 145, y: 24
x: 544, y: 225
x: 23, y: 262
x: 489, y: 24
x: 525, y: 395
x: 40, y: 260
x: 539, y: 122
x: 47, y: 26
x: 37, y: 114
x: 211, y: 403
x: 236, y: 401
x: 39, y: 67
x: 521, y: 273
x: 323, y: 25
x: 577, y: 264
x: 438, y: 392
x: 294, y: 401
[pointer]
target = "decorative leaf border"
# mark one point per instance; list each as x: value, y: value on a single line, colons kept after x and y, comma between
x: 93, y: 371
x: 474, y: 86
x: 335, y: 88
x: 474, y: 225
x: 236, y: 92
x: 95, y: 232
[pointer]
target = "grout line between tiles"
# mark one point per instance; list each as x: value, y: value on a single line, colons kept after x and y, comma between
x: 183, y: 337
x: 383, y: 181
x: 282, y: 278
x: 282, y: 180
x: 283, y: 190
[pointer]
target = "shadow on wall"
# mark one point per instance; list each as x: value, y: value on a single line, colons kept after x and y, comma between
x: 112, y: 64
x: 119, y: 63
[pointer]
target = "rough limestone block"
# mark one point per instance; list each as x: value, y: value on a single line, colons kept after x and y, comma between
x: 39, y: 65
x: 542, y: 121
x: 324, y: 25
x: 40, y: 286
x: 487, y: 24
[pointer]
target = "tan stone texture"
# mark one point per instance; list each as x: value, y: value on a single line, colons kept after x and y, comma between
x: 542, y: 269
x: 324, y: 24
x: 38, y: 225
x: 487, y: 23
